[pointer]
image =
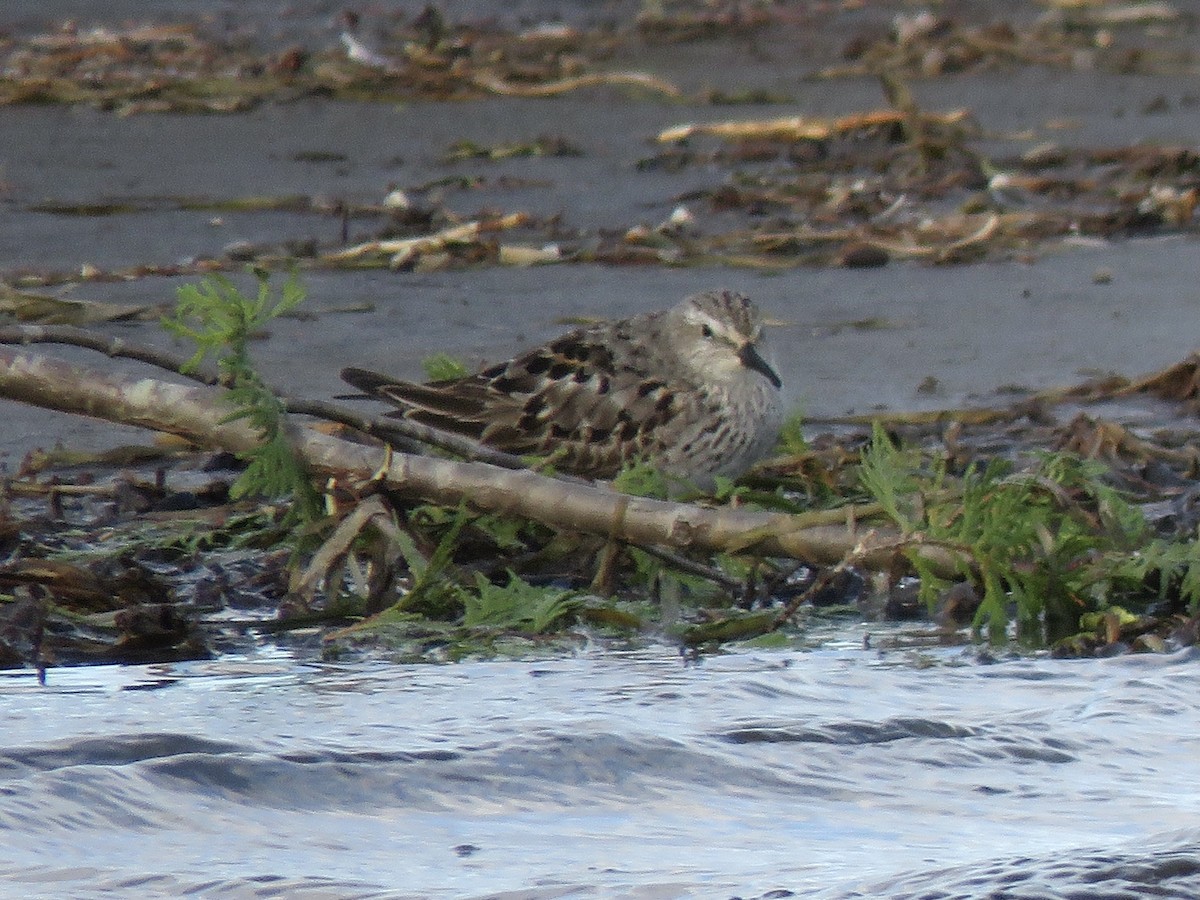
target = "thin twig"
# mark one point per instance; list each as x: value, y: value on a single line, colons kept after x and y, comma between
x: 801, y: 128
x: 819, y: 584
x: 114, y: 347
x: 403, y: 433
x: 985, y: 231
x: 694, y: 567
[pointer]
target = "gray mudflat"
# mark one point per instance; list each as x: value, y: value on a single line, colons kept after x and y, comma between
x: 853, y: 340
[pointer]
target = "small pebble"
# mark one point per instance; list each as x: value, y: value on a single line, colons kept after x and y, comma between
x: 240, y: 251
x: 396, y: 199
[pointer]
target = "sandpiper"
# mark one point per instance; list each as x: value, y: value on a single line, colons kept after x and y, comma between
x: 690, y: 389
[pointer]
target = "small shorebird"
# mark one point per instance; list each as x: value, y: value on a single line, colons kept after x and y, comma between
x: 689, y: 389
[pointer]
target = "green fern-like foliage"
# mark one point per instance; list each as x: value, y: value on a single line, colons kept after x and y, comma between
x: 434, y: 592
x: 220, y: 320
x: 892, y: 477
x: 1043, y: 543
x: 642, y: 479
x: 517, y: 605
x: 791, y: 437
x: 1171, y: 565
x: 443, y: 367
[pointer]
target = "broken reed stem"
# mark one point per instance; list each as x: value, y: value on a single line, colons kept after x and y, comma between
x: 803, y: 128
x: 404, y: 248
x: 690, y: 566
x: 497, y: 85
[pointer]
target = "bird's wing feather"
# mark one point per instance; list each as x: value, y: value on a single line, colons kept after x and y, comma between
x: 571, y: 397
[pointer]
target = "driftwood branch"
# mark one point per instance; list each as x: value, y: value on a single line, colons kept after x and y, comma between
x: 401, y: 433
x: 197, y: 413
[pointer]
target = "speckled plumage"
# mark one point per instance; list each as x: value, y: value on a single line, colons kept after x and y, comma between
x: 690, y: 389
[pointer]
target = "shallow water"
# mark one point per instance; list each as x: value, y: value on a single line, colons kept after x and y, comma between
x: 832, y: 773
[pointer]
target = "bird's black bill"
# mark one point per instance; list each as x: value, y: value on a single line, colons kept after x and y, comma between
x: 752, y: 360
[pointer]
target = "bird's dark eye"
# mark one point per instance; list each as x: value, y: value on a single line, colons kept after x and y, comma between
x: 706, y: 331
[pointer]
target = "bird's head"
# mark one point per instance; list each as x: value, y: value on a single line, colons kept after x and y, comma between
x: 720, y: 335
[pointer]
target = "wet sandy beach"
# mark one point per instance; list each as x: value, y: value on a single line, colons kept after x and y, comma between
x: 852, y: 340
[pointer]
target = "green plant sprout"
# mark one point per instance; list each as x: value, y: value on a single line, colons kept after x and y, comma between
x: 221, y: 320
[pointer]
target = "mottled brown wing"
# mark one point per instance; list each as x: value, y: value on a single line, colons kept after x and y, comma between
x: 572, y: 398
x: 457, y: 406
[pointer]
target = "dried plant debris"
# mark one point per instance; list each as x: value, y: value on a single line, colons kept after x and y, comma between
x: 198, y: 67
x: 143, y: 555
x: 1108, y: 36
x: 543, y: 145
x: 903, y: 183
x: 856, y: 191
x: 103, y: 565
x: 185, y: 67
x: 43, y: 309
x: 468, y: 240
x: 898, y: 182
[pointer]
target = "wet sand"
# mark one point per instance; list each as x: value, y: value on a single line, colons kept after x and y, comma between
x: 907, y: 335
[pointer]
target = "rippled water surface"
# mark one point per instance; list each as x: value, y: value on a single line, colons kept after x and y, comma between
x: 832, y: 773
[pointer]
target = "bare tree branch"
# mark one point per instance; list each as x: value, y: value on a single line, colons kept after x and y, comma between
x: 197, y: 413
x: 404, y: 434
